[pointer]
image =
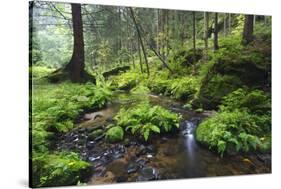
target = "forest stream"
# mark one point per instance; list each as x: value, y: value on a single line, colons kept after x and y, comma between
x: 169, y: 156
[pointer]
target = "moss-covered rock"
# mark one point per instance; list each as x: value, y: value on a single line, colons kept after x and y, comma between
x: 234, y: 67
x: 114, y: 134
x: 186, y: 57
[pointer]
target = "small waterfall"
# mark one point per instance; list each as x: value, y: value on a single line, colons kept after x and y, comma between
x: 190, y: 143
x: 192, y: 166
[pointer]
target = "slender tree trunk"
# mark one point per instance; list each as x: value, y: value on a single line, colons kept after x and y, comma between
x: 140, y: 39
x: 194, y: 36
x: 139, y: 50
x: 248, y: 30
x: 206, y: 28
x: 157, y: 31
x: 76, y: 65
x: 229, y: 22
x: 224, y: 24
x: 216, y: 44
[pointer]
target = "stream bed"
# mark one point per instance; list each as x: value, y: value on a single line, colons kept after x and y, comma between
x: 169, y: 156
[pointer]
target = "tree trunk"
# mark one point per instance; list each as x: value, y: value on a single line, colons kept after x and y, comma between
x: 194, y: 36
x: 206, y: 28
x: 224, y: 24
x: 216, y: 44
x: 229, y: 22
x: 140, y: 39
x: 139, y: 50
x: 248, y: 29
x: 76, y: 65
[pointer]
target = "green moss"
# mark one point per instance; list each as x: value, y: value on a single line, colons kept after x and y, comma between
x: 114, y: 134
x: 231, y: 67
x: 211, y: 92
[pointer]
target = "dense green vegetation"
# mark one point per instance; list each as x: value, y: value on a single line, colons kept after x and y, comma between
x: 145, y: 119
x: 122, y: 53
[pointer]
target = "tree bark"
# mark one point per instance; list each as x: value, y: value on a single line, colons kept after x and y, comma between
x: 76, y: 65
x: 248, y: 29
x: 216, y: 44
x: 140, y: 38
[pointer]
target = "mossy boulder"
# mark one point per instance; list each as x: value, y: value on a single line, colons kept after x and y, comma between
x: 233, y: 68
x: 114, y: 134
x: 186, y: 57
x: 115, y: 71
x: 218, y: 86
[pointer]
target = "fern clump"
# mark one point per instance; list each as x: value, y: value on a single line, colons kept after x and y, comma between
x: 255, y: 101
x: 126, y: 81
x: 114, y: 134
x: 183, y: 88
x: 58, y: 169
x: 237, y: 130
x: 145, y: 119
x: 179, y: 88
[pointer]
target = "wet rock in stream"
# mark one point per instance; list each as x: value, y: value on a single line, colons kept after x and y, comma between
x: 147, y: 174
x: 132, y: 167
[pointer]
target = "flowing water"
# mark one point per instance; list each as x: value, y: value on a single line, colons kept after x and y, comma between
x: 172, y: 156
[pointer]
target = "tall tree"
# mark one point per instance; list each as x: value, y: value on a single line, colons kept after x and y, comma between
x: 76, y: 65
x: 194, y: 35
x: 140, y: 38
x: 224, y: 24
x: 206, y: 28
x: 216, y: 44
x: 229, y: 22
x: 248, y: 31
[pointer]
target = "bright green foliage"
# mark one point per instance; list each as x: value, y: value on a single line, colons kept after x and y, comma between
x: 183, y: 88
x: 126, y: 80
x: 58, y: 169
x: 158, y: 84
x: 237, y: 129
x: 114, y: 134
x: 37, y: 72
x: 144, y: 119
x: 54, y: 109
x: 55, y: 106
x: 140, y: 89
x: 255, y: 101
x: 178, y: 88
